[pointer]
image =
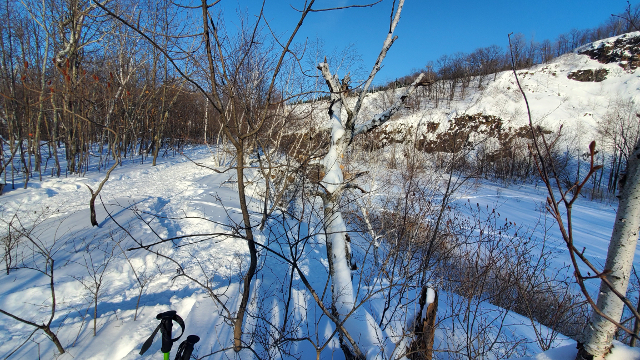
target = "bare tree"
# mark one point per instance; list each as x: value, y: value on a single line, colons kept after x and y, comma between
x: 333, y: 184
x: 39, y: 256
x: 605, y: 319
x: 96, y: 258
x: 141, y: 276
x: 240, y: 81
x: 631, y: 16
x: 620, y: 131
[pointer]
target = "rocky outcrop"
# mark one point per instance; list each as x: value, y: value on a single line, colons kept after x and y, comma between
x: 589, y: 75
x: 625, y: 51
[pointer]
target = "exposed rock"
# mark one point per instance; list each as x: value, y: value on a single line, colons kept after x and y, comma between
x: 589, y: 75
x: 463, y: 134
x: 458, y: 136
x: 625, y: 51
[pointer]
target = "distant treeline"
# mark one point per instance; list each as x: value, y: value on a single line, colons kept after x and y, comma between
x: 526, y: 52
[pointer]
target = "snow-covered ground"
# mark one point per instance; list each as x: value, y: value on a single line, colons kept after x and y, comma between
x: 178, y: 198
x: 187, y: 199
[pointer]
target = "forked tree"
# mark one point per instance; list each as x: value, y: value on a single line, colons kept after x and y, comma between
x: 344, y: 128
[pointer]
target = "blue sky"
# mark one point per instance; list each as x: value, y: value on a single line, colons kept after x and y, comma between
x: 430, y: 29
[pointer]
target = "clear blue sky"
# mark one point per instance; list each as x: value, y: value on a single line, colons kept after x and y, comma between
x: 429, y: 29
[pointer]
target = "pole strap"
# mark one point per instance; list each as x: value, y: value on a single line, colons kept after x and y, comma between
x: 165, y: 326
x: 186, y: 348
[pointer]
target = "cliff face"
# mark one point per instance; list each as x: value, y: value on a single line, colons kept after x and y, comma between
x: 623, y: 50
x: 577, y: 91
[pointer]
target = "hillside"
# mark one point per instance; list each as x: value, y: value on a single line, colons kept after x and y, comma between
x: 198, y: 272
x: 578, y: 91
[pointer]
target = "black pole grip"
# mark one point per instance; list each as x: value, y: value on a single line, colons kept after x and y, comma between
x: 186, y: 347
x: 166, y: 323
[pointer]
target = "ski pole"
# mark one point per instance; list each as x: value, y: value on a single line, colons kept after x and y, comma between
x: 166, y: 323
x: 186, y: 348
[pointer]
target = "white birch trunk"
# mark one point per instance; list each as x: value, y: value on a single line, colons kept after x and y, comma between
x: 359, y: 325
x: 342, y: 289
x: 600, y: 332
x: 365, y: 338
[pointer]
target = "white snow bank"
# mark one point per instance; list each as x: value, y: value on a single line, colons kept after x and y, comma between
x: 620, y: 351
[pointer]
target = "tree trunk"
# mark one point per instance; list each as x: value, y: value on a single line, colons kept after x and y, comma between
x: 94, y: 194
x: 422, y: 346
x: 53, y: 338
x: 253, y: 252
x: 599, y: 332
x: 92, y: 207
x: 95, y: 313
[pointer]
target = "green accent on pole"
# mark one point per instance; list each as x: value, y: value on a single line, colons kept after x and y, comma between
x: 166, y: 356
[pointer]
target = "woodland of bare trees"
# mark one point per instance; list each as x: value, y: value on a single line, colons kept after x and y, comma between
x: 84, y: 90
x: 86, y: 84
x: 81, y: 90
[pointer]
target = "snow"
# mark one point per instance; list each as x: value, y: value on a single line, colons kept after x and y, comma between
x: 605, y: 42
x: 568, y: 352
x: 431, y: 296
x: 554, y: 99
x: 150, y: 190
x: 178, y: 198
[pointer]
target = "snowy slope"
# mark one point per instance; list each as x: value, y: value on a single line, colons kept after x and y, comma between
x: 179, y: 198
x: 554, y: 98
x: 176, y: 188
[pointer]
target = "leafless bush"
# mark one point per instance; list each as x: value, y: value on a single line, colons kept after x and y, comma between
x: 500, y: 263
x: 17, y: 226
x: 37, y: 248
x: 514, y: 267
x: 96, y: 257
x: 477, y: 256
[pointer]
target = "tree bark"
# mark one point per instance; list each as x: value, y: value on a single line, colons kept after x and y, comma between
x: 599, y: 332
x: 253, y: 252
x: 53, y: 338
x: 94, y: 194
x: 422, y: 346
